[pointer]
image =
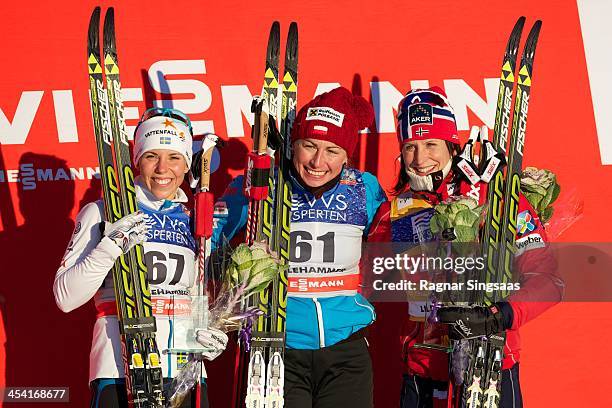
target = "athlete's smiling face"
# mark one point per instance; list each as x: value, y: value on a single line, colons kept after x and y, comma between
x: 162, y: 171
x: 424, y: 157
x: 318, y: 161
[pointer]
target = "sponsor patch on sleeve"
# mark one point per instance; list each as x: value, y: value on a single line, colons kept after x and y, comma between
x: 525, y: 223
x: 220, y: 209
x: 529, y: 242
x: 403, y: 202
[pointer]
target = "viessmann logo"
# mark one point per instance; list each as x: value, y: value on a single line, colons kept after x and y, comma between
x: 306, y: 285
x: 235, y: 101
x: 28, y: 175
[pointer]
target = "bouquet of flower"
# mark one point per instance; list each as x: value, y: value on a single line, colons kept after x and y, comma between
x: 541, y: 189
x: 457, y: 219
x: 250, y: 270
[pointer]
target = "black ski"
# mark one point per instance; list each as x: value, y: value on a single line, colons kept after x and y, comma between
x: 269, y: 219
x: 495, y: 192
x: 476, y: 375
x: 482, y: 381
x: 511, y: 194
x: 136, y: 321
x: 275, y: 378
x: 259, y: 187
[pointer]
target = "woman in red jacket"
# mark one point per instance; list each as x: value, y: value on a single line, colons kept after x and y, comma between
x: 428, y: 139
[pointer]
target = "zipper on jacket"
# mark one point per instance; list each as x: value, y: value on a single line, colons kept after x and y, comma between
x: 320, y: 322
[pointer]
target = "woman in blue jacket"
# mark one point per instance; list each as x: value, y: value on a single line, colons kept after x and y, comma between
x: 327, y: 363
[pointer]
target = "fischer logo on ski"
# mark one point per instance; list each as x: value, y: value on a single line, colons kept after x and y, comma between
x: 140, y: 355
x: 482, y: 379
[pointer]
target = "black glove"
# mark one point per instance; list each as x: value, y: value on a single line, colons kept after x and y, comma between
x: 274, y: 137
x: 467, y: 322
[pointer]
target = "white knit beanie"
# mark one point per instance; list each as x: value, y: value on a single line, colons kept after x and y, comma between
x: 161, y: 132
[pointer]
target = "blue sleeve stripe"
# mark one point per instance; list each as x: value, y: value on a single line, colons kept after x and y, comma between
x: 375, y: 196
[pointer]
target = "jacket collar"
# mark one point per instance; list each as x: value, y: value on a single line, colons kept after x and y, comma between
x: 144, y: 196
x: 440, y: 194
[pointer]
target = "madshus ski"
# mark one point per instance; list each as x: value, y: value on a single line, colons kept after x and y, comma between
x: 140, y: 355
x: 269, y: 190
x: 482, y: 380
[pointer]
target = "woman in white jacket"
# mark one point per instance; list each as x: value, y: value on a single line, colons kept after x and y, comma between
x: 162, y: 155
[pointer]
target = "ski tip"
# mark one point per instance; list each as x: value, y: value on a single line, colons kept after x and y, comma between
x: 515, y: 37
x: 537, y: 25
x: 532, y: 41
x: 273, y: 51
x: 534, y: 33
x: 275, y: 32
x: 109, y: 30
x: 109, y: 19
x: 292, y: 43
x: 93, y: 32
x: 95, y: 15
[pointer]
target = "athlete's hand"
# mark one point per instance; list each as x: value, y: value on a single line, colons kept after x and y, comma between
x: 128, y: 231
x: 214, y: 340
x: 468, y: 322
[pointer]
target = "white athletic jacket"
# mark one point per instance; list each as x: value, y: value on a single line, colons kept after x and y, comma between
x: 85, y: 273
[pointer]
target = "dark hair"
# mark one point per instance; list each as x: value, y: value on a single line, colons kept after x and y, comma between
x: 403, y: 179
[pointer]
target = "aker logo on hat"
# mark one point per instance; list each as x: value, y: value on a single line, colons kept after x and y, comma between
x: 325, y: 114
x: 425, y: 114
x: 420, y: 113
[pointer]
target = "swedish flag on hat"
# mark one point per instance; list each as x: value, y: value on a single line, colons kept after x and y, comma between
x: 163, y: 132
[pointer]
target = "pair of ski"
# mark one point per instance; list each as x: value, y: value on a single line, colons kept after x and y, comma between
x: 482, y: 380
x: 140, y: 355
x: 268, y: 188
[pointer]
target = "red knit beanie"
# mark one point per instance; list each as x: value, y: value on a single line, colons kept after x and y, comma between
x: 335, y: 116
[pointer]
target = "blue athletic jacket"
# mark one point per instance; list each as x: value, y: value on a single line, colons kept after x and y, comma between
x: 323, y: 305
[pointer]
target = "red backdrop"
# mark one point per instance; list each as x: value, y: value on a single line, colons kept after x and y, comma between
x: 208, y: 58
